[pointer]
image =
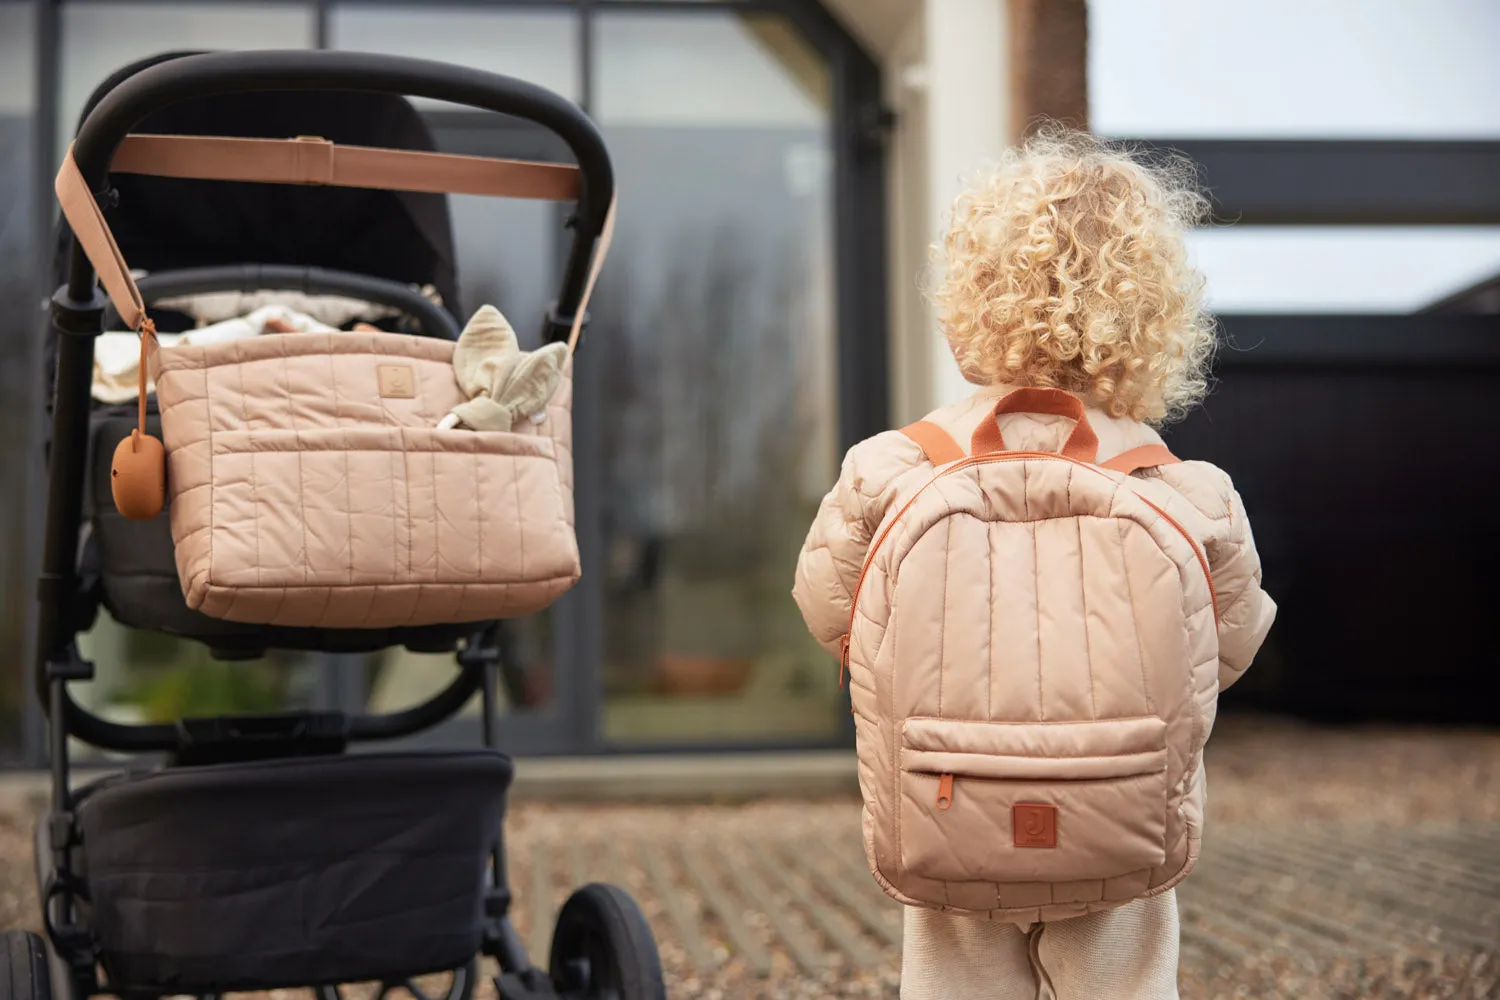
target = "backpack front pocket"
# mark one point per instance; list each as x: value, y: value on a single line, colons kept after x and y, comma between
x: 1032, y: 801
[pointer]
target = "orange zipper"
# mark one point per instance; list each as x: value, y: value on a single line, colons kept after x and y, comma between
x: 1009, y: 456
x: 945, y: 791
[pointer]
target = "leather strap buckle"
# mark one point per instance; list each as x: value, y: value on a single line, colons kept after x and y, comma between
x: 312, y: 161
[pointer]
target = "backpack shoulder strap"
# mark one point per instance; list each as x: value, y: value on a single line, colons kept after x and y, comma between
x: 1147, y: 456
x: 937, y: 444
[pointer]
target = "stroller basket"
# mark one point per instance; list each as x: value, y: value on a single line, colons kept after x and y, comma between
x: 249, y: 876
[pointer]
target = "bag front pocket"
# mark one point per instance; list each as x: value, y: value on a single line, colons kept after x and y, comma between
x: 369, y: 527
x: 1032, y: 802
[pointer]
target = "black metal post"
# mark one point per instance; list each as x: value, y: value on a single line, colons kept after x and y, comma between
x: 76, y: 321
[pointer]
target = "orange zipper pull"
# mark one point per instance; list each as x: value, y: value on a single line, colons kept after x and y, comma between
x: 945, y: 791
x: 843, y: 660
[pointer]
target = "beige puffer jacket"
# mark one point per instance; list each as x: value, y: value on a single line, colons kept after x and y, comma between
x: 1194, y: 495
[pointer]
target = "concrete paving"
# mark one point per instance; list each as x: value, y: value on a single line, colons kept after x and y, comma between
x: 1338, y: 864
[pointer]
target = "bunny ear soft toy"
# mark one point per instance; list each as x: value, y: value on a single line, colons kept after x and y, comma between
x: 503, y: 382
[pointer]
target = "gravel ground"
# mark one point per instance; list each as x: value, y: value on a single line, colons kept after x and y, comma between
x: 1339, y: 864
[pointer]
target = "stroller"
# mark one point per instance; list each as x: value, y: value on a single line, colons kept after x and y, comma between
x: 261, y: 852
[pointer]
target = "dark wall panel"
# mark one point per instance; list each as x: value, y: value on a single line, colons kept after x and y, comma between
x: 1373, y: 495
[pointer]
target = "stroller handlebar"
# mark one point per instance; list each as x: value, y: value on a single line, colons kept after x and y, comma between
x: 212, y: 74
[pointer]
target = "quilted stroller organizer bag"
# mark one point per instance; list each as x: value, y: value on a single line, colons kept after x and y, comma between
x: 317, y: 480
x: 311, y: 486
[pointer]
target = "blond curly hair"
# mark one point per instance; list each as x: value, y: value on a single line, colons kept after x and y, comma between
x: 1066, y: 268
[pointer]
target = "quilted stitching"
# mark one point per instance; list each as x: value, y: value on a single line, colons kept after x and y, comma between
x: 300, y: 496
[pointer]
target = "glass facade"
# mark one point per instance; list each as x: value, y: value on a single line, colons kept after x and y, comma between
x: 710, y: 365
x: 716, y: 332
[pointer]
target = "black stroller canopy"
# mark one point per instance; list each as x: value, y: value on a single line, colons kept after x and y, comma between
x: 168, y: 223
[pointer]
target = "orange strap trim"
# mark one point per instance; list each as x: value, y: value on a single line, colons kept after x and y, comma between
x: 1147, y: 456
x: 307, y: 160
x: 937, y: 444
x: 1082, y: 445
x: 148, y: 341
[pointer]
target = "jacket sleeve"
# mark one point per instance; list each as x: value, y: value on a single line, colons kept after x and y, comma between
x: 1245, y: 610
x: 839, y: 540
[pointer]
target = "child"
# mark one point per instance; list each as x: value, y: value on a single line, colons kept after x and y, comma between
x: 1065, y: 269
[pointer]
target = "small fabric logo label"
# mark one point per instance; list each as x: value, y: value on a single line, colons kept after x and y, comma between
x: 1034, y: 824
x: 396, y: 381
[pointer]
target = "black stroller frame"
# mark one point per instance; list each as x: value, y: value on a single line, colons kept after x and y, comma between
x: 599, y: 931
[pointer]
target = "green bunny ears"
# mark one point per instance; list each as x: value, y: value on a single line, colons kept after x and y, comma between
x: 504, y: 383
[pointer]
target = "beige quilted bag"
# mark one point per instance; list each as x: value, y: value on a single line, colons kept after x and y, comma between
x: 309, y: 482
x: 1031, y: 650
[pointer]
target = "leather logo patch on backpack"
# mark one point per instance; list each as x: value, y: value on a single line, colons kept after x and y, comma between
x: 1034, y: 824
x: 396, y: 381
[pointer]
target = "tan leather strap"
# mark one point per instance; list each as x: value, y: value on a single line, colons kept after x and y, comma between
x: 148, y: 342
x: 1082, y: 444
x: 937, y: 444
x: 306, y: 161
x: 601, y: 249
x: 310, y: 160
x: 92, y: 233
x: 1147, y: 456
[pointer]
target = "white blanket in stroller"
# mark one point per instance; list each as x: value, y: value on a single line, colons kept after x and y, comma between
x: 117, y: 356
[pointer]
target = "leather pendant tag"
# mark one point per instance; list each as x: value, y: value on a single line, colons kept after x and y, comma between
x: 138, y: 476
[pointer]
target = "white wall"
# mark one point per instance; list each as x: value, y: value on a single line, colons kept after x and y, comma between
x: 910, y: 227
x: 1295, y: 68
x: 965, y: 79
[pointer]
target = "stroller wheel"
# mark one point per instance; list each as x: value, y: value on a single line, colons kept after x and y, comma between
x: 603, y: 949
x: 24, y: 974
x: 459, y: 987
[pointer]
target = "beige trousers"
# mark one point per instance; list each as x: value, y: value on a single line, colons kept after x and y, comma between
x: 1129, y: 953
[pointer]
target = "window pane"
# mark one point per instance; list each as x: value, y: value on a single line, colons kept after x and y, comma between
x: 99, y: 38
x: 506, y: 247
x: 539, y: 46
x: 19, y: 327
x: 715, y: 335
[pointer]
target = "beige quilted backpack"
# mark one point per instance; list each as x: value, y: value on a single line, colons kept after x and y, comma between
x: 1031, y: 644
